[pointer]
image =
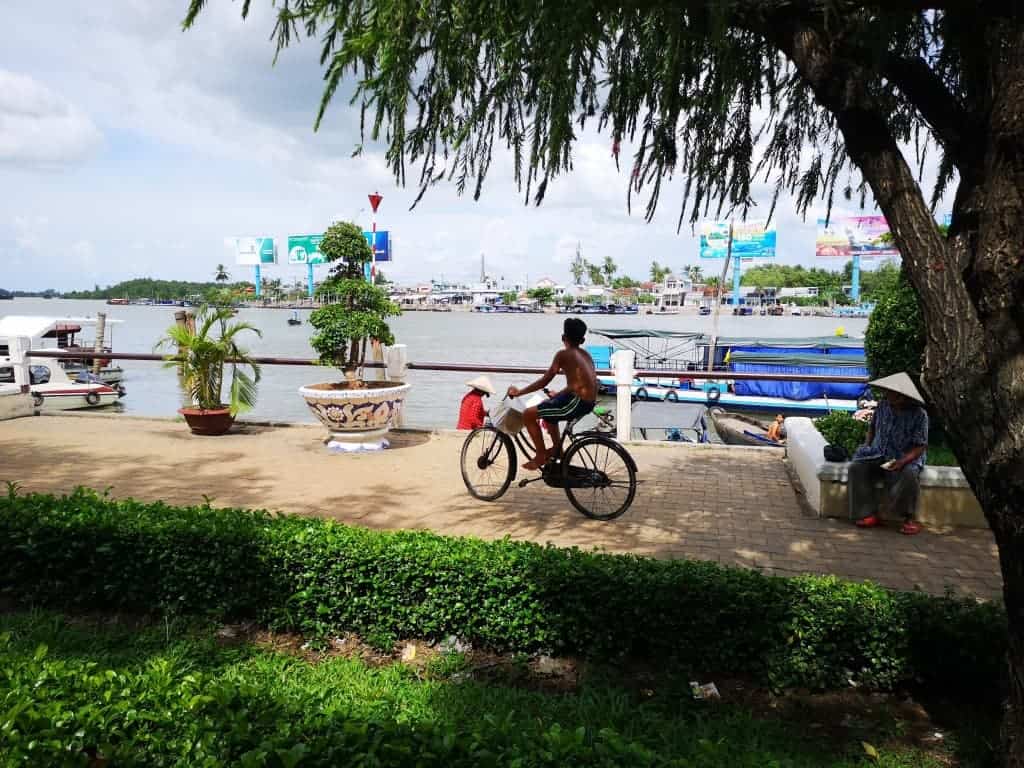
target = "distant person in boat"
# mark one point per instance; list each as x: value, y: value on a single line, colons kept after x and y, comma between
x: 777, y: 431
x: 472, y: 411
x: 894, y: 452
x: 575, y: 401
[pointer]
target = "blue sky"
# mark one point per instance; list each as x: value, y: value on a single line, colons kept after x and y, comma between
x: 129, y: 148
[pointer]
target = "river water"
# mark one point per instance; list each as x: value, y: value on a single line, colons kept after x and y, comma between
x: 455, y: 337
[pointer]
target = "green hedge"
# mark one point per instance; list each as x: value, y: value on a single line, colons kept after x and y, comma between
x: 319, y: 577
x: 840, y: 428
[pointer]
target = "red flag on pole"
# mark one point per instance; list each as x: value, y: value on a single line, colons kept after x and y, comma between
x: 375, y: 199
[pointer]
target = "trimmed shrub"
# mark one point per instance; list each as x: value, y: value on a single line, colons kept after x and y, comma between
x: 320, y: 577
x: 840, y: 428
x: 894, y: 339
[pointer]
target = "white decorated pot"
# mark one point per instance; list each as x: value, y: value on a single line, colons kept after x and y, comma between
x: 356, y: 418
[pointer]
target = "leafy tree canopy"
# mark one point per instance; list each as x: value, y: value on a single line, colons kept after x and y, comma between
x: 441, y: 83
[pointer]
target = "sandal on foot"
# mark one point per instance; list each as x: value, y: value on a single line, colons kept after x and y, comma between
x: 871, y: 521
x: 910, y: 528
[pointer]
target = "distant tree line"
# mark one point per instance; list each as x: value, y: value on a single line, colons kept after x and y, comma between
x: 148, y: 288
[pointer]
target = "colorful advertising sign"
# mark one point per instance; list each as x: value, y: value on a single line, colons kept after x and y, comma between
x: 849, y: 236
x: 305, y: 249
x: 750, y: 240
x: 252, y: 251
x: 382, y: 248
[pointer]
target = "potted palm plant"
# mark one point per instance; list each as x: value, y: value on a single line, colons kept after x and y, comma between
x: 357, y: 413
x: 205, y: 349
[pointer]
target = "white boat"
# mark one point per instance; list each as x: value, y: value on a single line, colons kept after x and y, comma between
x: 49, y: 384
x: 52, y: 390
x: 64, y: 334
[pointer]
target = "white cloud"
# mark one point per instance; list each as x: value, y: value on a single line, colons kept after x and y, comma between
x: 40, y: 128
x: 29, y: 232
x: 205, y: 138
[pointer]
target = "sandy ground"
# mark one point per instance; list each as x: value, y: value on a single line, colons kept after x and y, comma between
x: 733, y: 506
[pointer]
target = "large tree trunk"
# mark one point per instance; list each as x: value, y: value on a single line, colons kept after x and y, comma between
x: 971, y: 287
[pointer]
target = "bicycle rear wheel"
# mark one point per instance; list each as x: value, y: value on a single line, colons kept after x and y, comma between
x: 599, y: 477
x: 488, y: 463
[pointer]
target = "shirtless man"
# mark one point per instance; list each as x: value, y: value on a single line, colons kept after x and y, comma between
x: 576, y: 400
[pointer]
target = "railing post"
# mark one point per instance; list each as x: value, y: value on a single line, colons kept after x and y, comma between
x: 623, y: 365
x: 17, y: 350
x: 101, y: 329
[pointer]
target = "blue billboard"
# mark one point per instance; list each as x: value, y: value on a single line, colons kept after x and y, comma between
x: 381, y: 248
x: 750, y: 240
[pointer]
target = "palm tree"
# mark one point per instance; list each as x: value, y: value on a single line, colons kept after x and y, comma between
x: 658, y: 272
x: 203, y: 352
x: 695, y: 272
x: 594, y: 273
x: 221, y: 275
x: 609, y: 268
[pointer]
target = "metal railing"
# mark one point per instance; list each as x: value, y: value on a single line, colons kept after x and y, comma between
x: 465, y: 367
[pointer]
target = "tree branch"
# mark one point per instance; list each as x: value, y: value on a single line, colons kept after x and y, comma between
x: 839, y: 86
x: 926, y: 91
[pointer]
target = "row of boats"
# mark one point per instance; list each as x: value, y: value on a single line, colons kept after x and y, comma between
x: 669, y: 399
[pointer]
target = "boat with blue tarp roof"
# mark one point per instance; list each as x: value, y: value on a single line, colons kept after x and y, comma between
x: 674, y: 354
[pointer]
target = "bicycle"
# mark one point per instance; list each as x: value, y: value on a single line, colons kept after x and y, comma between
x: 597, y: 473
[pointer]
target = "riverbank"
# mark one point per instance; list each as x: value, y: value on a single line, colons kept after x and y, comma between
x: 733, y: 506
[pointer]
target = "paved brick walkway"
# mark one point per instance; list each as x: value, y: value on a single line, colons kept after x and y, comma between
x: 733, y: 506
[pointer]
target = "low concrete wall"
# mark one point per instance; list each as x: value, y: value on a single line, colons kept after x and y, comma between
x: 805, y: 451
x: 13, y: 403
x: 946, y: 499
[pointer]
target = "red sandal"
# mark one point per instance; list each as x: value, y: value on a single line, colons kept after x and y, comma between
x: 871, y: 521
x: 910, y: 528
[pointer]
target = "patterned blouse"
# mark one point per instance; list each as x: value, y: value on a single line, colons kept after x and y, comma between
x: 897, y: 431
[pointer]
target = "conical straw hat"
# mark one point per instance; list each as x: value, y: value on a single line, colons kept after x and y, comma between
x: 899, y: 382
x: 482, y: 383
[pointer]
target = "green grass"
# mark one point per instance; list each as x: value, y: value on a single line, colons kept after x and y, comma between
x: 171, y: 694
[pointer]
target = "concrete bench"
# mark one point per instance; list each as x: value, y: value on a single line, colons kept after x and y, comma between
x: 946, y: 499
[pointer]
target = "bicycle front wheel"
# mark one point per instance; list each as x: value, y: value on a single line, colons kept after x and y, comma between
x: 488, y: 463
x: 599, y: 477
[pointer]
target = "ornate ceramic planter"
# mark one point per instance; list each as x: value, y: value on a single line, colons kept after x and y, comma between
x: 356, y: 419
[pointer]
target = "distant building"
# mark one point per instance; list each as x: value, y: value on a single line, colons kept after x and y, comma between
x: 797, y: 293
x: 671, y: 292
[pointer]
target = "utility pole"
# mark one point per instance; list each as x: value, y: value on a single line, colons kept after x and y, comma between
x: 718, y: 303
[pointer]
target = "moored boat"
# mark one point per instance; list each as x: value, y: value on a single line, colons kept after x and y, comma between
x: 65, y: 383
x: 52, y: 390
x: 673, y: 356
x: 739, y: 429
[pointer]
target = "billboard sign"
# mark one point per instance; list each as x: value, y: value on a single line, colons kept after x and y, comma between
x: 252, y: 251
x: 750, y: 240
x: 848, y: 236
x: 305, y: 249
x: 382, y: 248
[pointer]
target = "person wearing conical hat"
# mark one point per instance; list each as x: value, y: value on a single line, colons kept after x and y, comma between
x: 894, y: 452
x: 472, y: 412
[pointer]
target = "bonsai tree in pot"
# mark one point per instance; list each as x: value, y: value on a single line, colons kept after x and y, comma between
x: 204, y: 349
x: 356, y: 412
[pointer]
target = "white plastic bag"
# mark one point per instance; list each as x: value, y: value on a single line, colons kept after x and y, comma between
x: 508, y: 418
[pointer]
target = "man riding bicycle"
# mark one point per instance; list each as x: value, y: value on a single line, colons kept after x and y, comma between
x: 576, y: 400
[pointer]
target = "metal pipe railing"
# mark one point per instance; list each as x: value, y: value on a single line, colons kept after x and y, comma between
x: 466, y: 367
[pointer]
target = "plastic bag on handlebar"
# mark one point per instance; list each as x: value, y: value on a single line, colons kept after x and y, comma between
x: 508, y: 417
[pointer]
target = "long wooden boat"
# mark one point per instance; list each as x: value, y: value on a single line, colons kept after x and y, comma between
x: 738, y: 429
